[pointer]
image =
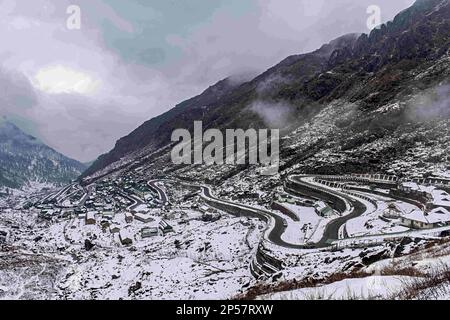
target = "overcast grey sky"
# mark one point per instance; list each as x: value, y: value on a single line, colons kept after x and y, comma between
x: 81, y: 90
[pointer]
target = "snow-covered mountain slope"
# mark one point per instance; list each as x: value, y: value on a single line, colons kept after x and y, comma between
x: 24, y: 158
x: 364, y: 102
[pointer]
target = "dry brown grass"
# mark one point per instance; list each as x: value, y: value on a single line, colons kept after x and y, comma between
x: 415, y: 280
x: 264, y: 288
x: 433, y: 285
x: 393, y: 270
x: 434, y: 249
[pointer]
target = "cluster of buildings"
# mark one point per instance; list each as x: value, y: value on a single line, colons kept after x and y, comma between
x: 286, y: 198
x: 48, y: 212
x: 418, y: 219
x: 100, y: 205
x: 430, y: 195
x: 434, y: 218
x: 126, y: 237
x: 436, y: 202
x: 209, y: 214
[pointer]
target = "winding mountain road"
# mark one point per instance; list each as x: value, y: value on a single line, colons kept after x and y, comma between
x: 161, y: 193
x: 331, y: 232
x: 276, y: 222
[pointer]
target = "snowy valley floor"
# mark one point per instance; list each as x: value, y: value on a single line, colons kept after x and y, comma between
x: 66, y: 258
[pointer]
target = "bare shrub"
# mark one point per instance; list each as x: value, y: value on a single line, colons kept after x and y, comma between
x: 432, y: 285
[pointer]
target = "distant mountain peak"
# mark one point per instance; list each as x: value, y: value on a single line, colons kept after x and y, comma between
x: 23, y: 158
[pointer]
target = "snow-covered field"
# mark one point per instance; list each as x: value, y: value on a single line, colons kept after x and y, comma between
x: 421, y: 272
x: 207, y: 255
x: 375, y: 287
x: 309, y: 228
x: 370, y: 223
x: 199, y: 260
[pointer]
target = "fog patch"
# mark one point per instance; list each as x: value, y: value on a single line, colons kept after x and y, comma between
x: 242, y: 77
x: 17, y: 95
x: 274, y: 115
x: 269, y: 84
x: 432, y: 104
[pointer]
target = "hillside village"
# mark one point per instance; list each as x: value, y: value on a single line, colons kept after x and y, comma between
x: 126, y: 209
x: 117, y: 206
x: 256, y: 240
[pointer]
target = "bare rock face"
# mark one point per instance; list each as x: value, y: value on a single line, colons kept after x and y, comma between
x: 369, y: 257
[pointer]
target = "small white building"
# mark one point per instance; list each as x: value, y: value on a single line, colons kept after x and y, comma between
x: 439, y: 217
x: 109, y: 207
x: 323, y: 210
x: 129, y: 217
x: 143, y: 218
x: 109, y: 215
x: 206, y: 209
x: 165, y: 227
x: 90, y: 218
x: 415, y: 220
x: 114, y: 228
x: 441, y: 199
x: 98, y: 205
x: 143, y: 208
x: 149, y: 232
x: 125, y: 237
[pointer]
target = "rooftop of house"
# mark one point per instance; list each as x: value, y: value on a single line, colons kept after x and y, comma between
x: 320, y: 205
x: 440, y: 197
x: 437, y: 215
x: 150, y: 229
x: 125, y: 234
x: 90, y: 215
x: 143, y: 217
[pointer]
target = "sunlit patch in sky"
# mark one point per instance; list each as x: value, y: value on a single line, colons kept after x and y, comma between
x: 59, y: 79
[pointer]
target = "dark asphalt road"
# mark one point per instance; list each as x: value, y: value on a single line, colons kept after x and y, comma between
x: 161, y: 193
x: 277, y: 231
x: 330, y: 234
